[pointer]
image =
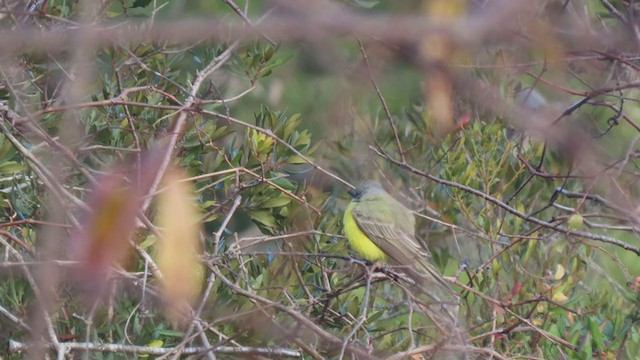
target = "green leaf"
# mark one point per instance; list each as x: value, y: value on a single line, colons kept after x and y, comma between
x: 291, y: 124
x: 295, y: 159
x: 586, y: 351
x: 148, y: 241
x: 11, y: 167
x: 595, y: 333
x: 140, y: 3
x: 170, y: 333
x: 276, y: 202
x: 263, y: 217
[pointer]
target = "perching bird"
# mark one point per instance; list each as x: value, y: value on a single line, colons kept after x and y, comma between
x: 380, y: 228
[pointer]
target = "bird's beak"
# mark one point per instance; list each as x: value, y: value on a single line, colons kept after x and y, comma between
x: 353, y: 193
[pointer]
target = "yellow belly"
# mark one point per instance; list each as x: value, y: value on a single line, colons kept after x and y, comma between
x: 359, y: 241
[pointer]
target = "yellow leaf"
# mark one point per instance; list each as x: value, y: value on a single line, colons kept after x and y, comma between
x: 265, y: 140
x: 496, y: 266
x: 179, y: 246
x: 575, y: 221
x: 560, y: 271
x: 155, y: 343
x: 560, y: 297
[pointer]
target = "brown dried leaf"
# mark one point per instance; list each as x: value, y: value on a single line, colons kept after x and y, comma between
x: 105, y: 231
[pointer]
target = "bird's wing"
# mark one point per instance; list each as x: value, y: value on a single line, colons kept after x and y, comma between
x: 379, y: 223
x: 396, y: 242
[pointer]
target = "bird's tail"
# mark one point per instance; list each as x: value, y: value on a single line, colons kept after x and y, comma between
x: 443, y: 305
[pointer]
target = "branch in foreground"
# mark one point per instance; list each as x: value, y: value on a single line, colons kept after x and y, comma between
x: 282, y: 27
x: 16, y: 346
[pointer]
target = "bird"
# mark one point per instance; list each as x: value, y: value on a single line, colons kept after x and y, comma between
x: 381, y: 229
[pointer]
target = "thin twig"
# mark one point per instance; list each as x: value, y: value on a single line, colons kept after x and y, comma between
x: 394, y: 128
x: 223, y: 226
x: 16, y: 347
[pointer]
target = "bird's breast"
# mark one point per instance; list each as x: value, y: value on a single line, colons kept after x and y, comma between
x: 359, y: 241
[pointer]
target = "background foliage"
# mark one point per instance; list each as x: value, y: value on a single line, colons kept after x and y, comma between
x: 511, y: 128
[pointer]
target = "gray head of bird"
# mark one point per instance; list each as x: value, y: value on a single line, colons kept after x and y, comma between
x: 367, y: 190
